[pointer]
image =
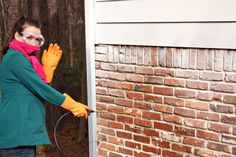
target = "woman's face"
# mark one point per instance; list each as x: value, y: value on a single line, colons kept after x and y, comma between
x: 30, y: 35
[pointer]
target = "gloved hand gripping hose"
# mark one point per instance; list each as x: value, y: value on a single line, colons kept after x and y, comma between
x: 55, y: 130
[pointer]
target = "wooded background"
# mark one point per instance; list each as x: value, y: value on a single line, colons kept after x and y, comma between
x: 62, y: 22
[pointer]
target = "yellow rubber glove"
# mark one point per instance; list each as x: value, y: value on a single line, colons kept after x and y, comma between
x: 50, y: 60
x: 78, y: 109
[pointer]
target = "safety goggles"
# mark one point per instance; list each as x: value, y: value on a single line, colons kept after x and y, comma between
x: 33, y: 39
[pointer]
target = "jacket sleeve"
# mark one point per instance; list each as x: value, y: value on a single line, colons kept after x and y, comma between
x: 24, y: 71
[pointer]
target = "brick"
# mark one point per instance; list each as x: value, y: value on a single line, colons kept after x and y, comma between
x: 124, y: 102
x: 169, y: 136
x: 150, y: 132
x: 174, y: 82
x: 163, y: 126
x: 128, y: 54
x: 151, y: 115
x: 135, y: 95
x: 161, y: 143
x: 177, y: 58
x: 122, y: 134
x: 143, y: 88
x: 208, y: 135
x: 140, y: 55
x: 212, y: 76
x: 126, y: 86
x: 234, y: 60
x: 102, y: 137
x: 229, y: 139
x: 143, y: 122
x: 218, y: 65
x: 168, y: 153
x: 103, y: 122
x: 115, y: 125
x: 141, y: 154
x: 184, y: 131
x: 154, y: 56
x: 102, y: 152
x: 116, y: 54
x: 191, y: 74
x: 97, y: 65
x: 142, y: 105
x: 172, y: 119
x: 144, y: 70
x: 106, y: 99
x: 198, y: 105
x: 101, y: 106
x: 208, y: 116
x: 185, y: 59
x: 201, y: 55
x: 116, y: 93
x: 197, y: 85
x: 184, y: 112
x: 153, y: 80
x: 108, y: 67
x: 115, y: 140
x: 174, y: 101
x: 101, y: 57
x: 133, y: 112
x: 116, y: 76
x: 210, y: 59
x: 115, y: 109
x: 209, y: 96
x: 163, y: 91
x: 218, y: 147
x: 231, y: 78
x: 101, y: 49
x: 152, y: 98
x: 228, y: 60
x: 125, y: 68
x: 125, y: 119
x: 134, y: 54
x: 181, y: 148
x: 110, y: 53
x: 125, y: 151
x: 234, y: 131
x: 163, y: 72
x: 222, y: 87
x: 122, y: 54
x: 195, y: 123
x: 107, y: 131
x: 110, y: 116
x: 222, y: 108
x: 101, y: 74
x: 162, y: 108
x: 147, y: 56
x: 193, y: 58
x: 142, y: 139
x: 234, y: 150
x: 219, y: 127
x: 112, y: 154
x: 133, y: 145
x: 228, y: 120
x: 135, y: 78
x: 162, y: 56
x: 229, y: 99
x: 205, y: 153
x: 102, y: 91
x: 169, y: 57
x: 194, y: 141
x: 182, y: 93
x: 154, y: 150
x: 133, y: 128
x: 106, y: 83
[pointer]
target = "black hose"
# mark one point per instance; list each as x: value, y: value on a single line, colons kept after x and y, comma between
x: 55, y: 131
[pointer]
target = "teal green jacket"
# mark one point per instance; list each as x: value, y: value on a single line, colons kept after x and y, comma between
x: 22, y: 112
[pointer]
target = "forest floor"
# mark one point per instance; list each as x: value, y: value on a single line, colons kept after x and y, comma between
x: 67, y: 140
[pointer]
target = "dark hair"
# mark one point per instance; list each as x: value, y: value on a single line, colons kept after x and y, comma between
x: 19, y: 27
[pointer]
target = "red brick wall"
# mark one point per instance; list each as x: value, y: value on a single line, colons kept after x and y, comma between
x: 170, y: 102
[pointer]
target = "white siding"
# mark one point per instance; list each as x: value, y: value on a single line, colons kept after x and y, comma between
x: 178, y: 23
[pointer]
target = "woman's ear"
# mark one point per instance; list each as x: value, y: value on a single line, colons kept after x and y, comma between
x: 17, y: 36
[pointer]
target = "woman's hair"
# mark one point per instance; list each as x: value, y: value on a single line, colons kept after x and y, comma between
x: 19, y: 27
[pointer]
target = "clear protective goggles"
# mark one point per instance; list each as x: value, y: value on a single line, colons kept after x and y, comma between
x: 33, y: 39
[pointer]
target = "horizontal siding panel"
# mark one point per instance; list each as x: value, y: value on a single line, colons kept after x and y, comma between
x: 165, y: 11
x: 199, y: 35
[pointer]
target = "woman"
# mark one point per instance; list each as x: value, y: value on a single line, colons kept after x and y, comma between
x: 23, y: 85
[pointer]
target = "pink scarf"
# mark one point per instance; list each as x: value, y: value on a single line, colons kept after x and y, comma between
x: 29, y: 52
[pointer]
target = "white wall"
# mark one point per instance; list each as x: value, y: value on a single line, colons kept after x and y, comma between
x: 174, y: 23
